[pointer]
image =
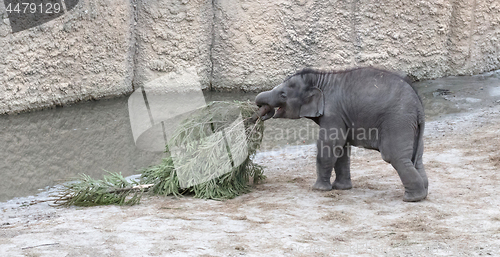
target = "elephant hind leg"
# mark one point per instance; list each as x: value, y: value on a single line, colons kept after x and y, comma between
x: 415, y: 186
x: 398, y: 151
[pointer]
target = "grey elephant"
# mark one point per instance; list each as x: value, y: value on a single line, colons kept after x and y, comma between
x: 363, y: 107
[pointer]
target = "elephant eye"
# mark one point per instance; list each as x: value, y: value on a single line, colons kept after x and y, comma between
x: 283, y: 95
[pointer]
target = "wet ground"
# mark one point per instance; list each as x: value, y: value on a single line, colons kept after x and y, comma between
x: 282, y: 216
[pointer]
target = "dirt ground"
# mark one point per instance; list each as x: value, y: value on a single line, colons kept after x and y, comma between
x: 284, y: 217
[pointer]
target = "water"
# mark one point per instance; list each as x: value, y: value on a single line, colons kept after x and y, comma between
x: 44, y: 148
x: 458, y: 94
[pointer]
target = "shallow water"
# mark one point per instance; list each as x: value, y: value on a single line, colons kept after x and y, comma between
x: 43, y: 148
x: 458, y: 94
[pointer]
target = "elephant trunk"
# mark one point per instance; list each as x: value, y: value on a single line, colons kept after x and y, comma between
x: 263, y: 98
x: 264, y: 101
x: 264, y: 112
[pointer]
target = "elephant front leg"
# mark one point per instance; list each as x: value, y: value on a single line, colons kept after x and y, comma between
x: 324, y: 165
x: 328, y: 153
x: 342, y: 168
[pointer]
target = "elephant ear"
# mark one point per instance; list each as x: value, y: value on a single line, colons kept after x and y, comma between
x: 314, y: 105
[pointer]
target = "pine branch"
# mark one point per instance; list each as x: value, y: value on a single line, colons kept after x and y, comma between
x: 195, y: 136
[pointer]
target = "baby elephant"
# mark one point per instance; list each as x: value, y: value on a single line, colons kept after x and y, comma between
x: 364, y: 107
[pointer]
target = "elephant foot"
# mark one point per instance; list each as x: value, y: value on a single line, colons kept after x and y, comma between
x: 342, y: 185
x: 322, y: 186
x: 415, y: 196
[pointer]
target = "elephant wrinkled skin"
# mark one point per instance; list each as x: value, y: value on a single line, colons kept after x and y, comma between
x: 363, y: 107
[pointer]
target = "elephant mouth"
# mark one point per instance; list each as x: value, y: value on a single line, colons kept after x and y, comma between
x: 280, y: 112
x: 266, y: 112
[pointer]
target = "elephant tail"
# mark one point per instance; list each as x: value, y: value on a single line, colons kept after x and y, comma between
x: 418, y: 143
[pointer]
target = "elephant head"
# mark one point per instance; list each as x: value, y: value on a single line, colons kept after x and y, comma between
x: 295, y: 98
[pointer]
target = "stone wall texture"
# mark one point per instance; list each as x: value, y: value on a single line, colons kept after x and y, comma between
x: 109, y: 48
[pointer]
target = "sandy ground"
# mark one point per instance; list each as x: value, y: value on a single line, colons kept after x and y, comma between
x: 284, y: 217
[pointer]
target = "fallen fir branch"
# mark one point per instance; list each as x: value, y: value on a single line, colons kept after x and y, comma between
x: 113, y: 189
x: 199, y: 152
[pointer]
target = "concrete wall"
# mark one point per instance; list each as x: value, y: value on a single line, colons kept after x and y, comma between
x: 173, y: 36
x: 85, y: 54
x: 257, y: 45
x: 110, y: 47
